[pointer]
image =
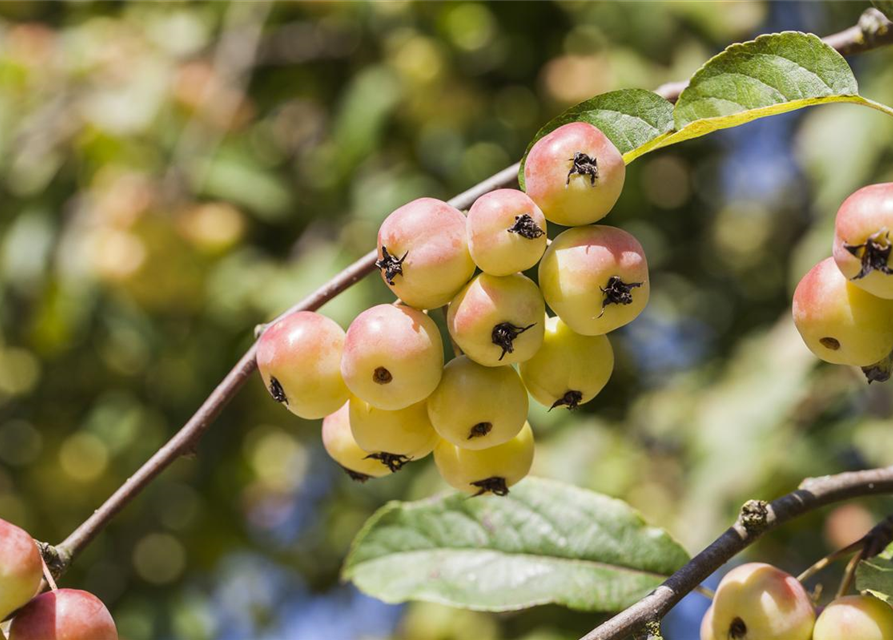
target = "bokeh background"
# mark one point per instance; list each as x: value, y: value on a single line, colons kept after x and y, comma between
x: 173, y: 174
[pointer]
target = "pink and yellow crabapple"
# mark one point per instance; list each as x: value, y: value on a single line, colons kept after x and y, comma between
x: 855, y: 618
x: 299, y: 358
x: 862, y: 242
x: 392, y: 437
x: 707, y: 625
x: 570, y: 369
x: 595, y: 278
x: 498, y: 320
x: 339, y: 443
x: 476, y: 407
x: 839, y: 322
x: 757, y: 601
x: 491, y: 470
x: 423, y: 253
x: 506, y: 232
x: 393, y: 356
x: 21, y: 568
x: 575, y: 174
x: 66, y: 614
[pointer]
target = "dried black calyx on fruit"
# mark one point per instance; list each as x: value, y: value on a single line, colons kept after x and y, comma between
x: 504, y: 335
x: 617, y: 292
x: 393, y: 461
x: 879, y: 371
x: 480, y: 429
x: 570, y: 399
x: 874, y: 254
x: 277, y: 391
x: 830, y: 343
x: 583, y: 165
x: 381, y: 376
x: 391, y: 265
x: 494, y: 485
x: 526, y: 227
x: 356, y: 476
x: 737, y: 629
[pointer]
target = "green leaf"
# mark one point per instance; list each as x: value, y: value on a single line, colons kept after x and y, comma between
x: 885, y: 7
x: 629, y: 118
x: 773, y: 74
x: 875, y: 575
x: 546, y: 542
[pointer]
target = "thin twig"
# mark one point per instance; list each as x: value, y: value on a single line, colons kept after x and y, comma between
x: 849, y: 575
x: 186, y: 439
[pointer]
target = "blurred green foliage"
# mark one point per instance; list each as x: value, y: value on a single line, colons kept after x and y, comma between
x: 173, y: 174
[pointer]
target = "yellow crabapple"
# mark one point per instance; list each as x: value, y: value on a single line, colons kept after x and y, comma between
x: 575, y: 174
x: 423, y: 253
x: 491, y: 470
x: 506, y: 232
x: 595, y: 278
x: 570, y: 369
x: 498, y: 320
x: 855, y: 618
x: 338, y: 440
x: 21, y: 569
x: 299, y: 358
x: 862, y: 241
x: 757, y: 601
x: 65, y: 614
x: 839, y: 322
x: 393, y: 356
x: 392, y: 437
x: 476, y: 407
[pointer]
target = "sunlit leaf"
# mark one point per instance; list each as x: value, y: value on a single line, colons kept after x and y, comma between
x: 546, y: 542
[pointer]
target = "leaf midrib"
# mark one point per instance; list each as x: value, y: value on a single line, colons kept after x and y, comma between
x: 559, y: 559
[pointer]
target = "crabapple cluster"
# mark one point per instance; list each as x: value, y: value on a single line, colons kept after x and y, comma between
x: 758, y: 601
x: 382, y: 386
x: 63, y: 614
x: 843, y: 307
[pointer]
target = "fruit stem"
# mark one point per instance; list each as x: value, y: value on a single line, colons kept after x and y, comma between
x: 707, y: 592
x: 850, y: 574
x: 828, y: 559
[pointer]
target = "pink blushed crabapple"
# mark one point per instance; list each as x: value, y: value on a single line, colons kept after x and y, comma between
x: 839, y: 322
x: 339, y: 443
x: 492, y: 470
x: 65, y: 614
x: 506, y: 232
x: 392, y: 437
x: 855, y: 618
x: 476, y: 407
x: 757, y: 601
x: 862, y: 242
x: 423, y: 253
x: 498, y: 320
x: 299, y: 359
x: 21, y: 568
x: 569, y: 369
x: 595, y: 278
x: 393, y: 356
x: 575, y: 174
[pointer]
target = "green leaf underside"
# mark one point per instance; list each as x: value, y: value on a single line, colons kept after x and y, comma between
x: 546, y: 542
x: 629, y: 118
x: 875, y: 575
x: 773, y: 74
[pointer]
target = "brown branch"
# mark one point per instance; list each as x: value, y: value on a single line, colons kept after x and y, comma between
x: 186, y: 439
x: 751, y: 524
